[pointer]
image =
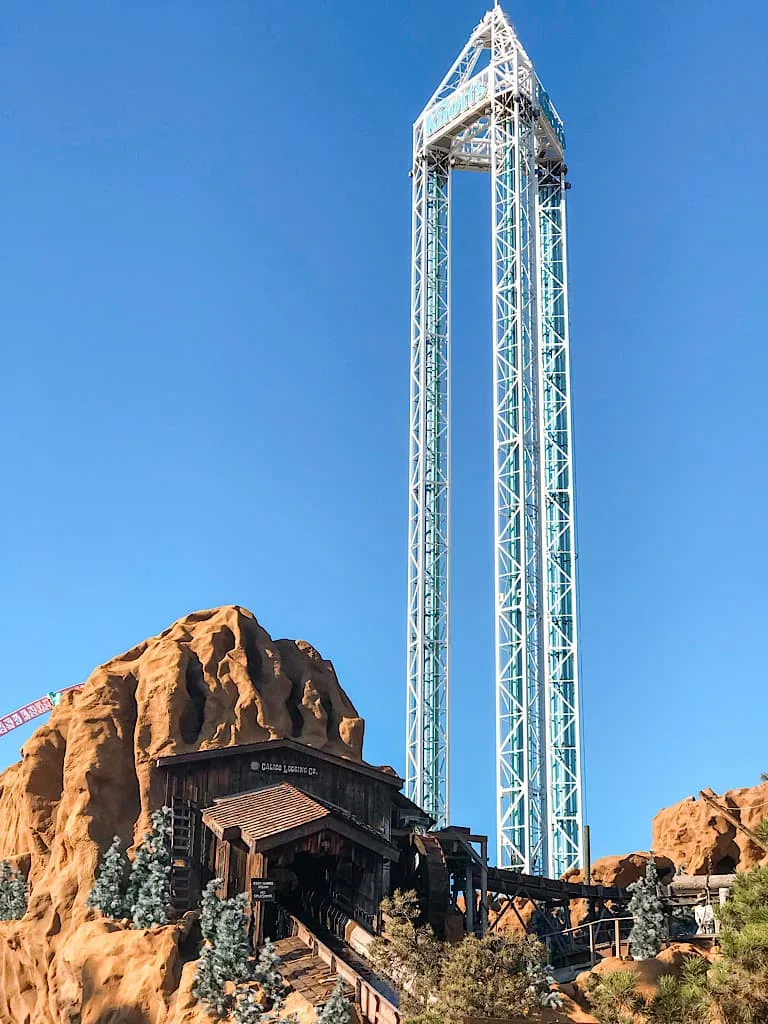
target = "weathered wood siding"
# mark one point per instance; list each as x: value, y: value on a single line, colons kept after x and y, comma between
x: 200, y: 782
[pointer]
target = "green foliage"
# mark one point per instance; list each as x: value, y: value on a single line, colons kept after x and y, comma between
x: 614, y: 998
x: 738, y: 983
x: 443, y: 982
x: 409, y: 954
x: 748, y: 901
x: 337, y: 1007
x: 145, y: 898
x: 210, y: 906
x: 695, y: 970
x: 247, y: 1008
x: 208, y: 986
x: 494, y: 976
x: 761, y: 829
x: 226, y: 955
x: 108, y: 892
x: 645, y: 907
x: 669, y: 1003
x: 267, y: 972
x: 14, y: 893
x: 149, y: 887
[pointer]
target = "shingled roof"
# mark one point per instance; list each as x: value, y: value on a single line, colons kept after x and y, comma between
x: 275, y: 815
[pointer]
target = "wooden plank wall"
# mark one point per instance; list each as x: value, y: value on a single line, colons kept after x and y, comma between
x: 200, y: 782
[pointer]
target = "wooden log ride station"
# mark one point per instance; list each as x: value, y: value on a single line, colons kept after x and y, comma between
x: 319, y: 840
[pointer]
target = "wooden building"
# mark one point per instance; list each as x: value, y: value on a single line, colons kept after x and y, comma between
x: 323, y: 832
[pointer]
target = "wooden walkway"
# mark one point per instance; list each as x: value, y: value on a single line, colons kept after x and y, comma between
x: 310, y: 976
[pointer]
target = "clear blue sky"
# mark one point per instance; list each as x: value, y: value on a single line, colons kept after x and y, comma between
x: 204, y: 318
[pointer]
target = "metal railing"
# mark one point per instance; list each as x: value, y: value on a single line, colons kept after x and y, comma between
x: 326, y: 912
x: 605, y: 934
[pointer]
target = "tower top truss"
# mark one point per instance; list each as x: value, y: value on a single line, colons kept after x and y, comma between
x: 457, y: 118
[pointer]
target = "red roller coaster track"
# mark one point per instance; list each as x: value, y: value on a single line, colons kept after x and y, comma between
x: 38, y: 707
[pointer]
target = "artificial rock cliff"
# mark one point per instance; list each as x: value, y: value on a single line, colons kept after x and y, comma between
x: 693, y: 834
x: 213, y: 679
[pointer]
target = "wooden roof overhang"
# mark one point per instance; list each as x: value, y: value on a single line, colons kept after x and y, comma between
x: 387, y: 775
x: 267, y: 818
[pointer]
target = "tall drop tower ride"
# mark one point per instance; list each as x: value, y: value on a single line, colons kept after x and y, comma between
x: 490, y: 113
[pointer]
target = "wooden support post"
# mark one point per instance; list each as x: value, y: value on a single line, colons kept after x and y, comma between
x: 617, y: 935
x: 484, y: 887
x: 225, y: 872
x: 591, y: 927
x: 587, y: 856
x: 483, y: 901
x: 469, y: 897
x: 257, y: 907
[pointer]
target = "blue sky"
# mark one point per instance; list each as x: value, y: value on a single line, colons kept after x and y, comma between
x: 204, y: 276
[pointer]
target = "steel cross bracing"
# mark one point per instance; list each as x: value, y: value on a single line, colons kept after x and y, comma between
x: 563, y: 722
x: 490, y: 113
x: 427, y: 726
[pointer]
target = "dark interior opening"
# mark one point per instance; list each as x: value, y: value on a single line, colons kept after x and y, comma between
x: 193, y: 715
x: 725, y: 866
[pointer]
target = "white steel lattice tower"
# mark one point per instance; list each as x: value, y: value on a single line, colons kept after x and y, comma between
x: 491, y: 113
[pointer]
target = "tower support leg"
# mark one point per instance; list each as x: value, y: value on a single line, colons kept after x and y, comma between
x: 520, y: 836
x: 427, y: 755
x: 564, y: 787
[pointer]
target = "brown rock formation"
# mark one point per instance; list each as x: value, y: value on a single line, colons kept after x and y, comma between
x: 622, y: 871
x: 648, y: 972
x: 694, y: 835
x: 213, y: 679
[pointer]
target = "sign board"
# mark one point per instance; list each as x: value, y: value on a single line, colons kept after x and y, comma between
x: 283, y: 769
x: 262, y: 890
x: 456, y: 106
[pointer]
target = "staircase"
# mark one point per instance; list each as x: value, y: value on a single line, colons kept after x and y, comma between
x: 182, y: 845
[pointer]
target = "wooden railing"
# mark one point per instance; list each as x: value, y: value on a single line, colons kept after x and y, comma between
x: 375, y: 1008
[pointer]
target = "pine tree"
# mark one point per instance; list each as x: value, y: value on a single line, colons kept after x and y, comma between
x: 645, y: 907
x: 13, y: 893
x: 337, y: 1008
x: 210, y: 907
x: 267, y: 973
x: 614, y: 998
x: 496, y: 976
x: 107, y: 895
x: 247, y: 1009
x: 231, y: 942
x: 226, y: 956
x: 209, y: 986
x: 149, y: 887
x: 408, y: 954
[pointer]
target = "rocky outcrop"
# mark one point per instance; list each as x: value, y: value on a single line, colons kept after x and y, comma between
x: 624, y: 870
x: 648, y: 972
x: 213, y: 679
x: 692, y: 834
